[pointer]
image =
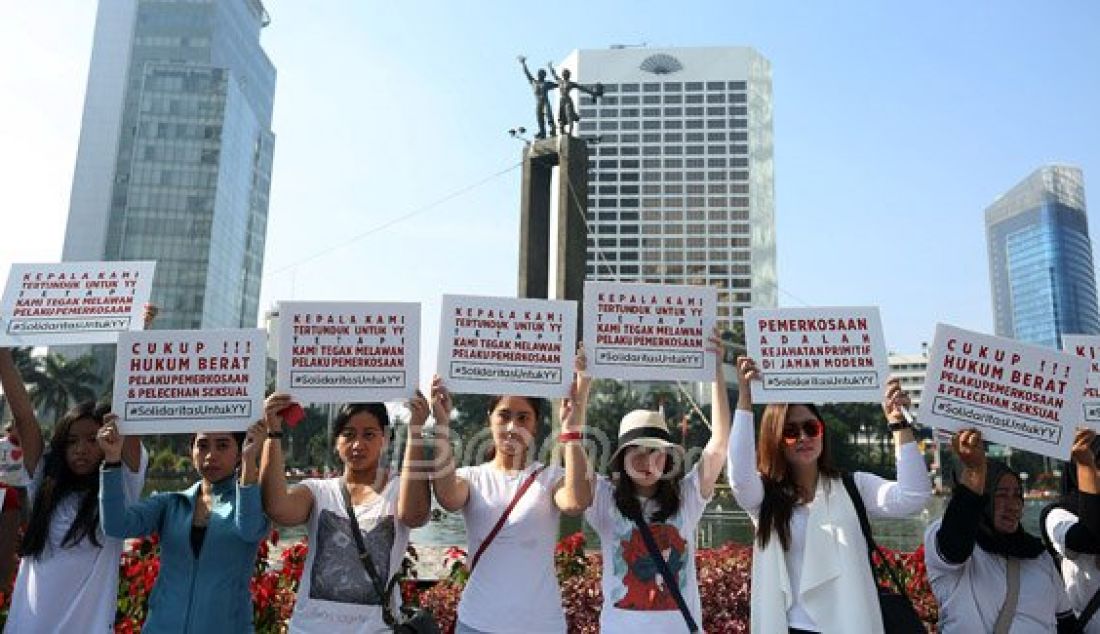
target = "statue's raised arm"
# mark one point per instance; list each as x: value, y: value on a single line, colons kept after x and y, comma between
x: 541, y: 88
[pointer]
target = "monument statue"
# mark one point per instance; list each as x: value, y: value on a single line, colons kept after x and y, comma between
x: 567, y: 111
x: 541, y: 87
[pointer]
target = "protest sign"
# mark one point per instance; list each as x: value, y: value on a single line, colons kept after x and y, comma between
x: 817, y: 354
x: 176, y: 381
x: 1016, y: 394
x: 504, y: 345
x: 649, y: 332
x: 73, y: 302
x: 333, y: 352
x: 1088, y: 347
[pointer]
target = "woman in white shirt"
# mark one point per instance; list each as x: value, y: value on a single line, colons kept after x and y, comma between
x: 799, y: 506
x: 68, y: 574
x: 336, y: 594
x: 979, y: 546
x: 648, y: 483
x: 1071, y: 530
x: 514, y: 588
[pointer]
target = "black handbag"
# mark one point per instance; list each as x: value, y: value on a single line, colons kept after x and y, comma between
x: 898, y: 614
x: 412, y: 620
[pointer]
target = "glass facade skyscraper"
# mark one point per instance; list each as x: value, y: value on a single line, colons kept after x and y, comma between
x: 680, y: 186
x: 1040, y: 259
x: 175, y: 154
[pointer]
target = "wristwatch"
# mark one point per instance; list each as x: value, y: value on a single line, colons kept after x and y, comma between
x: 275, y: 434
x: 898, y: 425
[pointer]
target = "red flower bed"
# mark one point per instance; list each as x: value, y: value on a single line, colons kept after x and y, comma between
x: 724, y: 580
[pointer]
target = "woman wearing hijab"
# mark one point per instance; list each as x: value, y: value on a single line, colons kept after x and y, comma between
x: 1071, y: 530
x: 987, y: 572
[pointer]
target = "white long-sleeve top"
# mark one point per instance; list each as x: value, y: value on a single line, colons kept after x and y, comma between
x: 881, y: 497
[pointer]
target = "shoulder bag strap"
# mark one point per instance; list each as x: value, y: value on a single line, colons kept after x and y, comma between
x: 504, y: 517
x: 662, y: 567
x: 1089, y: 611
x: 1012, y: 596
x: 865, y: 527
x: 364, y: 558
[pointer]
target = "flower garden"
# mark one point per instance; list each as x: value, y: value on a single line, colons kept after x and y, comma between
x: 724, y: 579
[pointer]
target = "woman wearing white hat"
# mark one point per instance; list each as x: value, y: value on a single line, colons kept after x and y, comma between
x: 646, y: 514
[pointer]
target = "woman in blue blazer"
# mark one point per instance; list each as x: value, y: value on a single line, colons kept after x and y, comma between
x: 208, y: 533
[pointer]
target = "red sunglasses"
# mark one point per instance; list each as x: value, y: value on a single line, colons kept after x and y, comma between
x: 811, y: 428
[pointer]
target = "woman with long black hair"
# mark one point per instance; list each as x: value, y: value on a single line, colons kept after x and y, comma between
x: 650, y: 483
x: 68, y: 574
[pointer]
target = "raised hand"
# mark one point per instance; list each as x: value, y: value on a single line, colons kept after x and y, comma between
x: 894, y: 400
x: 250, y: 450
x: 274, y: 404
x: 148, y: 314
x: 1082, y: 448
x: 746, y: 374
x: 967, y: 445
x: 441, y: 402
x: 418, y: 412
x: 718, y: 347
x: 109, y: 440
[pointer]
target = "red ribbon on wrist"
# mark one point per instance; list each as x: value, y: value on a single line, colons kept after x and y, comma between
x: 567, y: 436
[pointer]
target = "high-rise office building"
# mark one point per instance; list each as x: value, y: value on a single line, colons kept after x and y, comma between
x: 681, y: 180
x: 175, y: 154
x: 1040, y: 259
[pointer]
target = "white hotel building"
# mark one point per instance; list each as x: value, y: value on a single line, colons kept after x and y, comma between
x: 681, y: 177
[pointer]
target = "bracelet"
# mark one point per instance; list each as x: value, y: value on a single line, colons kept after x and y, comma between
x: 274, y: 434
x: 567, y: 436
x: 115, y: 464
x: 898, y: 425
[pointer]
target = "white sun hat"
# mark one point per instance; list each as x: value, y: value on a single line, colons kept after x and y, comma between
x: 644, y: 428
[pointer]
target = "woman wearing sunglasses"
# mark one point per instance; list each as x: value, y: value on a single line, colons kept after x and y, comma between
x: 794, y: 495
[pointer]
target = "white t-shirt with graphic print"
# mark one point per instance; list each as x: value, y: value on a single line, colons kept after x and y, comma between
x: 635, y: 597
x: 335, y: 594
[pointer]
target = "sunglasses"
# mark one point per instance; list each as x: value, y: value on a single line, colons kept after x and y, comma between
x: 811, y: 428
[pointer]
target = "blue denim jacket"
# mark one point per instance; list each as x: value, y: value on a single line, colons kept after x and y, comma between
x: 208, y: 594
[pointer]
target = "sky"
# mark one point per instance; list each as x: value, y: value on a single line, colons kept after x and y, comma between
x: 896, y: 125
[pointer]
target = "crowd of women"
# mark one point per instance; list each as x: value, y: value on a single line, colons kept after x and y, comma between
x: 810, y: 570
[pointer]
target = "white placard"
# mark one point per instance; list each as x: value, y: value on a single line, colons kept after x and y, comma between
x: 649, y: 332
x: 179, y: 381
x: 1016, y: 394
x: 1088, y: 347
x: 331, y: 352
x: 73, y: 302
x: 817, y: 354
x: 506, y: 345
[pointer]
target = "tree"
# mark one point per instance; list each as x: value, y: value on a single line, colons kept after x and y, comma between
x: 62, y: 383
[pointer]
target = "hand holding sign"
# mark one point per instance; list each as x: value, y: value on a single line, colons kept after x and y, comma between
x: 250, y: 450
x: 418, y: 413
x: 967, y: 445
x: 895, y: 401
x: 441, y: 402
x: 1082, y: 452
x: 277, y: 408
x: 1088, y: 480
x: 109, y: 440
x: 149, y: 312
x: 746, y: 374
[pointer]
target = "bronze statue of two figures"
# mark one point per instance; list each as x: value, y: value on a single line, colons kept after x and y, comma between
x: 567, y: 110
